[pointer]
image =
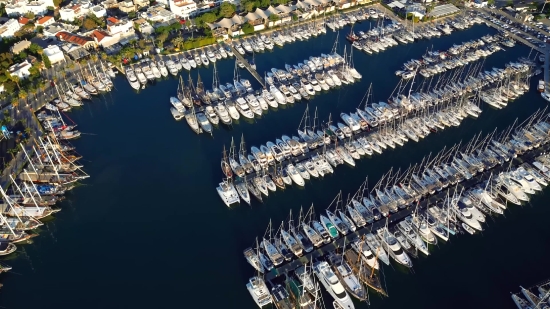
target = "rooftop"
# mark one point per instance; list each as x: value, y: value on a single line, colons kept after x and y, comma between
x: 73, y: 38
x: 43, y: 20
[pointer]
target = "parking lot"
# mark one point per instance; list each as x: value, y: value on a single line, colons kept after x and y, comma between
x: 535, y: 33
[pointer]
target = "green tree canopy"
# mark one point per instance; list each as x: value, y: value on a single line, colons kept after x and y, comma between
x: 247, y: 28
x: 274, y: 17
x: 227, y: 9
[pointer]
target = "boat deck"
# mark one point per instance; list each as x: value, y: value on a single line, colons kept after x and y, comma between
x: 342, y: 242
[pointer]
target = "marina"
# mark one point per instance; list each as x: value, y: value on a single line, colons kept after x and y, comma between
x: 317, y: 154
x: 453, y: 209
x: 122, y: 156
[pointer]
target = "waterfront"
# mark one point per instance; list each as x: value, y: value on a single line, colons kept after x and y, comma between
x: 148, y: 229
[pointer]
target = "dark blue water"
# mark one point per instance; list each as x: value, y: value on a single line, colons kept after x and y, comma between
x: 148, y: 230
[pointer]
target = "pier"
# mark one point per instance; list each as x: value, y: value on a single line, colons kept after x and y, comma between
x: 341, y: 242
x: 247, y: 65
x: 513, y: 35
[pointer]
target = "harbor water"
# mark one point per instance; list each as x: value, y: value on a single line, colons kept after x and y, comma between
x: 148, y: 230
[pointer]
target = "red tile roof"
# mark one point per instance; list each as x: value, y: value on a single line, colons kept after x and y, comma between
x: 43, y: 20
x: 23, y: 20
x: 73, y: 38
x: 112, y: 20
x: 99, y: 35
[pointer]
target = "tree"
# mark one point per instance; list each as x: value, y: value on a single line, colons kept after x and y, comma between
x: 227, y: 9
x: 264, y: 3
x: 35, y: 49
x: 30, y: 15
x: 132, y: 15
x: 13, y: 152
x: 89, y: 24
x: 23, y: 94
x: 294, y: 17
x: 274, y: 17
x: 14, y: 78
x: 178, y: 42
x: 161, y: 38
x: 15, y: 102
x: 56, y: 3
x: 46, y: 60
x: 248, y: 6
x: 247, y: 28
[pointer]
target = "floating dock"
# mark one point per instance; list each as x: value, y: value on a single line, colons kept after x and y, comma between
x: 401, y: 214
x: 247, y: 66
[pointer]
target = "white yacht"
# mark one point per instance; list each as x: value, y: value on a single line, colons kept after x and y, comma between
x: 376, y: 246
x: 244, y: 109
x: 465, y: 216
x: 259, y: 292
x: 132, y: 79
x: 394, y: 248
x: 333, y: 286
x: 293, y: 173
x: 366, y: 253
x: 177, y: 104
x: 227, y: 193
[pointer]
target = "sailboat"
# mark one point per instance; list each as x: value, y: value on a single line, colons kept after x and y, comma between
x: 243, y: 159
x: 236, y: 167
x: 191, y: 119
x: 226, y: 168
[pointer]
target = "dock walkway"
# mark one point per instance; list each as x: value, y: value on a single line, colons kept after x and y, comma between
x: 313, y: 152
x: 247, y: 65
x: 398, y: 216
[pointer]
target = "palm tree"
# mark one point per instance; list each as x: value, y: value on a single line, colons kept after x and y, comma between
x: 15, y: 79
x: 13, y: 152
x: 15, y: 102
x: 23, y: 95
x: 178, y: 42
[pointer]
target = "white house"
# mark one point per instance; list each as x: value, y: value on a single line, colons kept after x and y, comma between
x: 118, y: 26
x: 74, y: 11
x: 20, y: 70
x: 54, y: 53
x: 98, y: 11
x: 183, y: 8
x: 22, y: 7
x: 9, y: 28
x: 158, y: 14
x: 144, y: 27
x: 45, y: 21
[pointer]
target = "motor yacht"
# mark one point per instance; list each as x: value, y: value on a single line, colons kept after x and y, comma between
x: 393, y: 247
x: 259, y: 292
x: 331, y: 283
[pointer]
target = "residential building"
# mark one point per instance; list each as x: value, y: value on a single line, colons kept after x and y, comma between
x: 23, y: 21
x: 141, y: 3
x: 158, y: 14
x: 9, y: 28
x: 110, y: 4
x: 54, y: 53
x: 20, y: 70
x: 45, y: 21
x: 82, y: 41
x: 98, y: 11
x: 183, y: 8
x: 22, y: 7
x: 144, y: 27
x: 119, y: 26
x: 75, y: 10
x: 54, y: 28
x: 103, y: 39
x: 20, y: 46
x: 127, y: 6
